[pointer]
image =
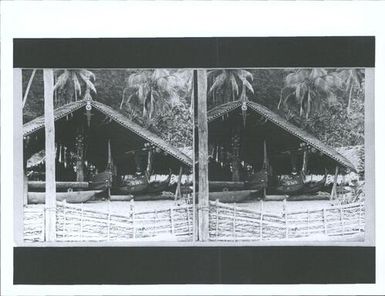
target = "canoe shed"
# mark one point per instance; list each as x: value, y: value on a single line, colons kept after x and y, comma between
x: 256, y: 136
x: 96, y: 135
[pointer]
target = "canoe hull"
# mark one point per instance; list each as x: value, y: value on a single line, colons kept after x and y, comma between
x: 233, y: 196
x: 153, y: 196
x: 70, y: 197
x: 121, y: 197
x: 218, y: 186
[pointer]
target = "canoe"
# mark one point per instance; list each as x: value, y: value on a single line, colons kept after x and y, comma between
x: 70, y: 197
x: 325, y: 196
x: 218, y: 186
x: 101, y: 181
x: 257, y: 181
x: 133, y: 186
x: 153, y: 196
x: 60, y: 185
x: 314, y: 187
x: 293, y: 185
x: 157, y: 187
x: 121, y: 197
x: 275, y: 197
x: 233, y: 196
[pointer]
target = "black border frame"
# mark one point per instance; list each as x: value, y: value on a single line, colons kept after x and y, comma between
x: 194, y: 265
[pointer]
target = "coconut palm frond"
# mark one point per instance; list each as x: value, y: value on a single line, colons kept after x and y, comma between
x: 62, y: 80
x: 77, y: 86
x: 218, y: 82
x: 234, y: 84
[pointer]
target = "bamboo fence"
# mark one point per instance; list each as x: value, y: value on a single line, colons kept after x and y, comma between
x: 226, y: 223
x: 75, y: 223
x: 232, y: 223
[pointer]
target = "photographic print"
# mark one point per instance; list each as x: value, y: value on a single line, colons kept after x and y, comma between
x: 286, y: 154
x: 222, y: 158
x: 107, y: 155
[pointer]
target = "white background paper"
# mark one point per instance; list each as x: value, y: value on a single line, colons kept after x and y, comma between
x: 66, y: 19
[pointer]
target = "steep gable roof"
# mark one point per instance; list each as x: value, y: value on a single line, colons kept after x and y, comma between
x: 38, y: 123
x: 304, y: 136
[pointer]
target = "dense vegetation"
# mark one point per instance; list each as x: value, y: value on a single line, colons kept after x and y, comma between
x: 328, y: 103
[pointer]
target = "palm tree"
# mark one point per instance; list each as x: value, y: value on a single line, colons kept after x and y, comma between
x: 75, y: 78
x: 352, y: 80
x: 309, y: 84
x: 230, y: 80
x: 151, y: 91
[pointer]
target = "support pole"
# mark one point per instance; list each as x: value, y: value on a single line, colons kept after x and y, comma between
x: 333, y: 194
x: 177, y: 191
x: 149, y: 164
x: 265, y: 165
x: 50, y: 190
x: 203, y: 194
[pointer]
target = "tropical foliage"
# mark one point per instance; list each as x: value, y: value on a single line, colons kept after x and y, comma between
x: 226, y: 85
x: 310, y: 88
x: 158, y: 99
x: 328, y: 103
x: 73, y: 80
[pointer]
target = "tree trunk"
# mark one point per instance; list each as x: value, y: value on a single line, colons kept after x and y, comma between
x: 304, y: 162
x: 28, y: 86
x: 149, y: 164
x: 50, y: 190
x: 203, y: 195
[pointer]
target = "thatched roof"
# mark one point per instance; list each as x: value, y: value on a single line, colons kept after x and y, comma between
x: 274, y: 118
x: 38, y: 123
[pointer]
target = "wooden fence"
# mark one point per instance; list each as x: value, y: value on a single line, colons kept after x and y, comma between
x: 232, y: 223
x: 75, y: 223
x: 226, y: 223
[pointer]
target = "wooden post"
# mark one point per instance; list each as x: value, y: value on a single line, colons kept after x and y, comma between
x: 25, y: 189
x: 64, y: 219
x: 203, y: 195
x: 342, y: 219
x: 177, y: 191
x: 149, y: 163
x: 234, y: 221
x: 325, y: 221
x: 308, y: 222
x: 50, y: 189
x: 133, y: 218
x: 81, y: 221
x: 333, y: 194
x: 19, y: 148
x: 154, y: 226
x: 109, y: 220
x: 188, y: 219
x: 265, y: 165
x: 172, y: 221
x: 217, y: 219
x: 359, y: 216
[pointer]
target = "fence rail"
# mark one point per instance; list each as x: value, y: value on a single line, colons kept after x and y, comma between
x: 232, y: 223
x: 75, y: 223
